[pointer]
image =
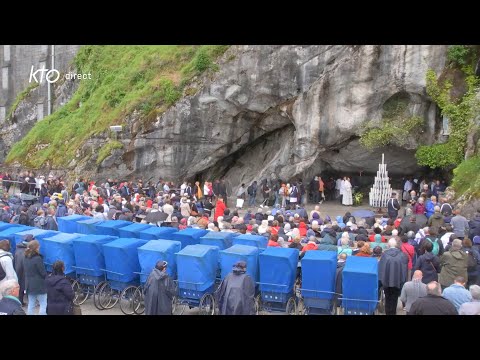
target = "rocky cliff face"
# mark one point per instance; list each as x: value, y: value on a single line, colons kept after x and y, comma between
x: 282, y: 111
x: 289, y: 110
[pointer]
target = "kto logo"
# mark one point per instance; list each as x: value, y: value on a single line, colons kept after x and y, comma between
x: 51, y: 75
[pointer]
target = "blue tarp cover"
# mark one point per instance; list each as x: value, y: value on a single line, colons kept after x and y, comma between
x: 110, y: 227
x: 318, y: 274
x: 5, y: 226
x: 9, y: 234
x: 37, y: 233
x: 278, y: 266
x: 155, y: 233
x: 189, y: 236
x: 360, y: 281
x: 154, y: 251
x: 251, y: 240
x: 88, y: 251
x: 133, y: 230
x: 246, y: 253
x: 59, y: 247
x: 88, y: 227
x: 121, y: 259
x: 68, y: 224
x: 221, y: 239
x: 197, y: 267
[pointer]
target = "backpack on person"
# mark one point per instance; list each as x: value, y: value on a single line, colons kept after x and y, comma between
x: 250, y: 190
x: 40, y: 222
x: 15, y: 219
x: 436, y: 247
x: 472, y: 262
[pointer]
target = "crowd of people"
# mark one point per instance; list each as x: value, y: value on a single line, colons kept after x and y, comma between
x: 427, y: 239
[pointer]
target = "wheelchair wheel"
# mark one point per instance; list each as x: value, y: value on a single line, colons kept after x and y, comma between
x: 258, y: 304
x: 108, y: 297
x: 81, y: 291
x: 139, y: 301
x: 96, y: 295
x: 178, y: 307
x: 291, y: 308
x: 207, y: 305
x: 127, y: 304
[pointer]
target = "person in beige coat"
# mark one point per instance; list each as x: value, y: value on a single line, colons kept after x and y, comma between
x: 453, y: 264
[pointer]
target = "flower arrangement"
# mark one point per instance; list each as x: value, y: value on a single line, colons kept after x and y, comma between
x: 357, y: 198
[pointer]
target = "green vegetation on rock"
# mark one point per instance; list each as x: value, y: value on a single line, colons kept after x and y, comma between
x: 124, y: 78
x: 20, y: 97
x: 466, y: 178
x: 395, y: 127
x: 460, y: 113
x: 107, y: 149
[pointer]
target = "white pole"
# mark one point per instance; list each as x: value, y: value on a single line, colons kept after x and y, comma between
x: 49, y: 88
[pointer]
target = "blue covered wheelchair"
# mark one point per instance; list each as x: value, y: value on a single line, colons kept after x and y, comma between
x: 278, y: 270
x: 197, y: 269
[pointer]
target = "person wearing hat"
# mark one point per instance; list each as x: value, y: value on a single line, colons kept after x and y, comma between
x: 159, y: 291
x: 236, y: 292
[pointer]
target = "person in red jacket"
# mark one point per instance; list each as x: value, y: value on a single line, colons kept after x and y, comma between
x: 303, y: 229
x: 311, y: 245
x: 149, y: 203
x: 408, y: 250
x: 419, y: 207
x: 219, y: 209
x: 273, y: 242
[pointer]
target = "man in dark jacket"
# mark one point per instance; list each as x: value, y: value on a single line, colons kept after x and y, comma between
x: 59, y: 291
x: 62, y: 209
x: 51, y: 222
x: 433, y: 303
x: 9, y: 304
x: 159, y: 291
x: 428, y: 263
x: 237, y: 292
x: 208, y: 207
x: 19, y: 264
x: 474, y: 225
x: 392, y: 272
x: 393, y: 206
x: 409, y: 223
x: 24, y: 219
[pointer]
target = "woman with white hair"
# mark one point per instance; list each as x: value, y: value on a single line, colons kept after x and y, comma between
x: 263, y: 228
x: 473, y: 307
x: 344, y: 248
x: 185, y: 208
x: 9, y: 303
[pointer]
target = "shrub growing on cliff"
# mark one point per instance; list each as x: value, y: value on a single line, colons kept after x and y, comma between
x: 458, y: 54
x: 467, y: 177
x: 460, y: 113
x: 390, y: 131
